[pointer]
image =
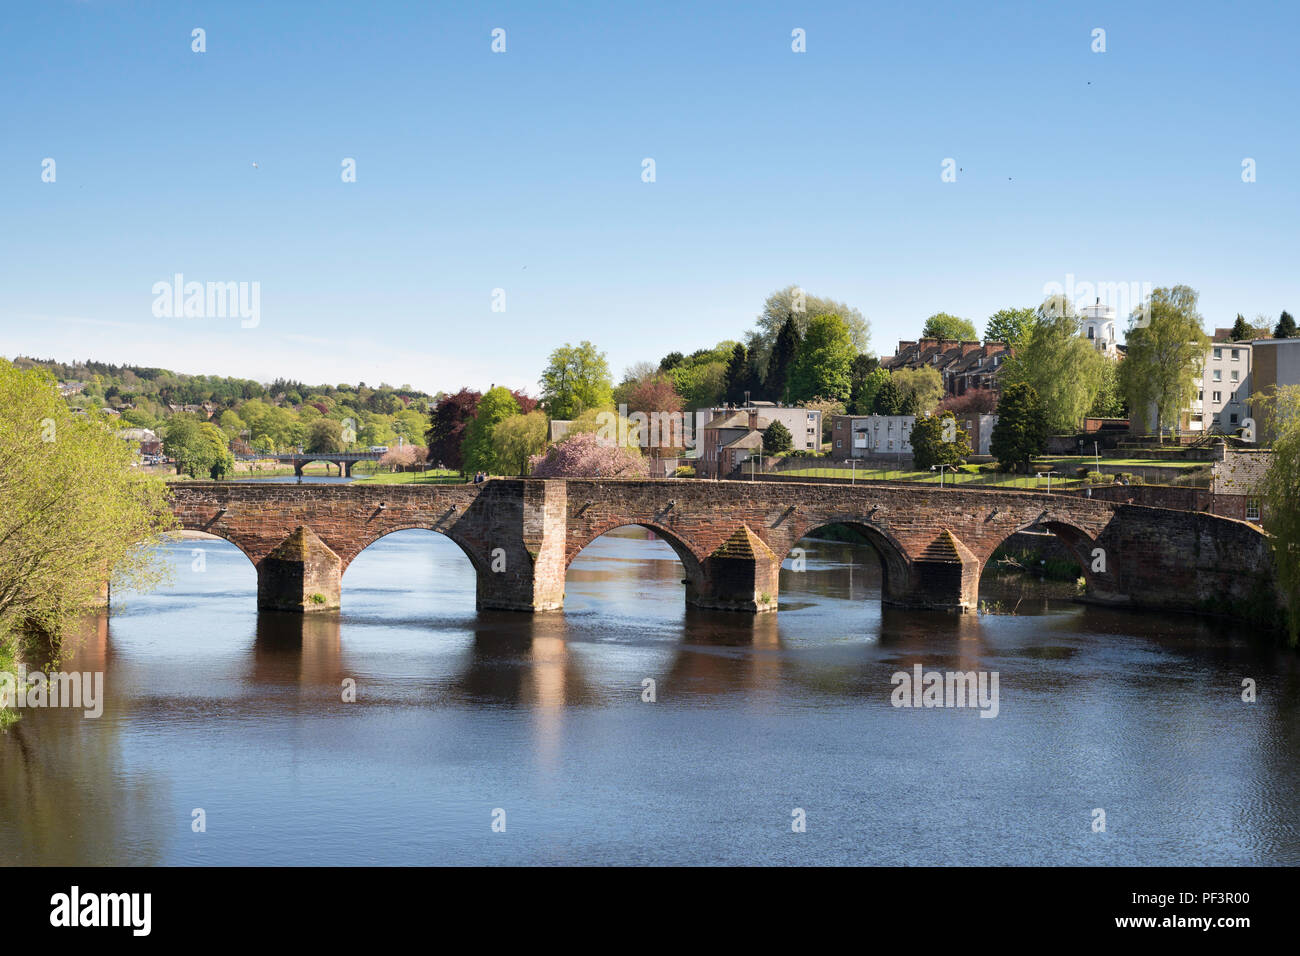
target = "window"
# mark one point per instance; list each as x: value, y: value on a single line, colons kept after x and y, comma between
x: 1218, y: 353
x: 839, y: 426
x: 1218, y: 397
x: 1200, y: 396
x: 1218, y: 375
x: 1236, y: 375
x: 1233, y: 418
x: 1252, y: 509
x: 1090, y: 333
x: 839, y: 442
x: 1236, y: 355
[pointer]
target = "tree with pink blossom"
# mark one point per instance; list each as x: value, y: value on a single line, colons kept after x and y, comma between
x: 586, y: 456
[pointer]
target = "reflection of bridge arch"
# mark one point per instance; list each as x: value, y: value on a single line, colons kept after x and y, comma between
x: 691, y: 562
x: 893, y: 559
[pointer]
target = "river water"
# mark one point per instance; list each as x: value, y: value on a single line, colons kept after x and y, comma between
x: 759, y: 724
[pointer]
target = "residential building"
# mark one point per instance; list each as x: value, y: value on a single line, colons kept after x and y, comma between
x: 963, y: 366
x: 1222, y: 399
x: 1276, y: 363
x: 1237, y: 476
x: 871, y: 436
x: 729, y: 436
x: 889, y: 436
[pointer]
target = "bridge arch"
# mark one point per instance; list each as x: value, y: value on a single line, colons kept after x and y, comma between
x: 893, y: 558
x: 480, y: 562
x: 690, y: 558
x: 1077, y: 540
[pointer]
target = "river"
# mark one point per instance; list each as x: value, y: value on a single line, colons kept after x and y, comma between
x: 759, y: 724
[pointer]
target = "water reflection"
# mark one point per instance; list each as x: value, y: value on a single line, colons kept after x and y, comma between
x: 456, y: 712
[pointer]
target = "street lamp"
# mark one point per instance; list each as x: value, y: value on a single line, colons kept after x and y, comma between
x: 941, y: 469
x: 1049, y: 475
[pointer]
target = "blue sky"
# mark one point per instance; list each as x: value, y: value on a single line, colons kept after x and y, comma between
x: 522, y: 171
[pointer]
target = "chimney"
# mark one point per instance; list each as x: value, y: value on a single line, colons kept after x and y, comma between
x: 753, y: 419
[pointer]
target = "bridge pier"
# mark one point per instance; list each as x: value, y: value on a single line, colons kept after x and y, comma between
x: 742, y: 575
x: 946, y: 577
x: 300, y: 574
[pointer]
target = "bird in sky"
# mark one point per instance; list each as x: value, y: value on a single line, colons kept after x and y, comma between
x: 255, y: 165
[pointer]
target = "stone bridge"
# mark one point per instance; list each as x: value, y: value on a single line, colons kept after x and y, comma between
x: 731, y: 536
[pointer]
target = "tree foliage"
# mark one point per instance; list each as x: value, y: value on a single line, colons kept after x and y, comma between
x: 1021, y: 428
x: 1165, y: 357
x: 1061, y: 366
x: 948, y: 328
x: 793, y: 304
x: 777, y: 439
x: 919, y: 389
x: 576, y: 378
x: 781, y: 360
x: 517, y: 439
x: 823, y: 362
x: 479, y: 452
x: 1011, y: 326
x: 1285, y: 328
x: 75, y: 512
x: 938, y: 440
x: 447, y: 424
x: 1280, y: 491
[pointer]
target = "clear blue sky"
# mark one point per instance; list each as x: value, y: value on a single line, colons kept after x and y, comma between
x: 522, y: 171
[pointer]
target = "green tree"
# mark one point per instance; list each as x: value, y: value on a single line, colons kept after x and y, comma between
x: 1165, y: 358
x: 781, y: 360
x: 1063, y: 368
x: 1109, y: 402
x: 1241, y: 329
x: 793, y: 304
x: 1012, y: 326
x: 1280, y: 491
x: 920, y: 389
x: 949, y: 328
x: 938, y: 440
x: 777, y: 439
x: 577, y: 378
x: 325, y: 435
x: 199, y: 448
x: 889, y: 400
x: 1021, y: 428
x: 517, y: 439
x: 75, y: 513
x: 862, y: 398
x: 479, y: 450
x: 823, y: 362
x: 738, y: 381
x: 1285, y: 328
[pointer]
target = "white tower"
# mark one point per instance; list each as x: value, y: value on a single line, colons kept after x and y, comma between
x: 1099, y: 327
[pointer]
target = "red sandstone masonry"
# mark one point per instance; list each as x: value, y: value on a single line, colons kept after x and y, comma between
x: 1154, y: 557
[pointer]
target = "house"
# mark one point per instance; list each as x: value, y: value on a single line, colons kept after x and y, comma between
x: 729, y: 436
x: 1237, y: 475
x: 963, y: 366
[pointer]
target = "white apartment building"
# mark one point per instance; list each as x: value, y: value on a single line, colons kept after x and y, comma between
x: 1223, y: 398
x: 862, y: 436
